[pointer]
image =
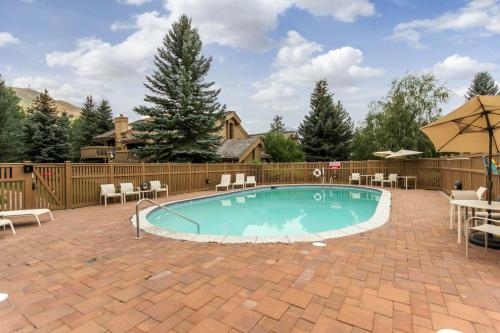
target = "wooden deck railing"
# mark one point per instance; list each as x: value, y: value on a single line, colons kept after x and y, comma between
x: 70, y: 185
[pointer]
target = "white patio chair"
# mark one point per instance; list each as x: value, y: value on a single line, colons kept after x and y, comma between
x: 156, y: 187
x: 377, y: 178
x: 36, y: 213
x: 355, y: 177
x: 392, y: 180
x: 127, y: 189
x: 251, y: 181
x: 225, y: 181
x: 4, y: 222
x: 109, y: 191
x: 240, y: 180
x: 490, y: 226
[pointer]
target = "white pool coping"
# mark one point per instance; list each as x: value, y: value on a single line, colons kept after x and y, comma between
x: 379, y: 218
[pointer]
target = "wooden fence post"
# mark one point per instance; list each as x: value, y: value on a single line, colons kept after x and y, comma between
x: 28, y: 188
x: 111, y: 173
x: 68, y: 185
x: 143, y: 173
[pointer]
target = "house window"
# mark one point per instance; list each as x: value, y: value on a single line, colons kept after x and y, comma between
x: 231, y: 130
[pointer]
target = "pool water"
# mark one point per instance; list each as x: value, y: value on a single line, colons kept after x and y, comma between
x: 272, y: 211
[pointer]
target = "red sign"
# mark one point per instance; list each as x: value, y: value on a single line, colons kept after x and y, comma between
x: 334, y: 165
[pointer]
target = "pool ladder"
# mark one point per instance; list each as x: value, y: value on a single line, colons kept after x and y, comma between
x: 137, y: 222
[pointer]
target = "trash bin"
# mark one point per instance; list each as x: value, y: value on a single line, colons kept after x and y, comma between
x: 457, y: 185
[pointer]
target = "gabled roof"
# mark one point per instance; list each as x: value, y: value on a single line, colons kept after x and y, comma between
x: 238, y: 149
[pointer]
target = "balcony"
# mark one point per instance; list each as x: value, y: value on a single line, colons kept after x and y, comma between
x: 107, y: 154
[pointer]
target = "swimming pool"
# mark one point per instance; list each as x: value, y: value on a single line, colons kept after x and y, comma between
x: 273, y: 214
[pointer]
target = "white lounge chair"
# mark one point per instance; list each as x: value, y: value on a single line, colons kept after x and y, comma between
x: 109, y: 191
x: 4, y: 222
x: 127, y: 189
x: 355, y: 177
x: 36, y: 213
x: 490, y: 226
x: 392, y: 180
x: 240, y: 180
x: 251, y: 181
x: 377, y: 178
x: 156, y: 187
x: 225, y: 181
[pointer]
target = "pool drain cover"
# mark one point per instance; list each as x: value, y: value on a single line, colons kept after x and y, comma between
x: 3, y: 297
x: 319, y: 244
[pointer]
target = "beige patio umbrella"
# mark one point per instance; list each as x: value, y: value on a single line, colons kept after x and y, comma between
x: 403, y: 153
x: 471, y: 128
x: 384, y: 153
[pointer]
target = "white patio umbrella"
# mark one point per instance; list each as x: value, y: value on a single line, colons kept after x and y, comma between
x: 472, y: 128
x: 403, y: 153
x: 384, y: 153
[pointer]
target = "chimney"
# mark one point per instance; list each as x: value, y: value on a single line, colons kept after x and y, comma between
x: 121, y: 125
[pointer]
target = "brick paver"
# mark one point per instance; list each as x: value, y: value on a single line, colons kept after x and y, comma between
x: 85, y: 272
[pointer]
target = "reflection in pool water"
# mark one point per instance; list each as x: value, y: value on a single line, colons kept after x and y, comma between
x: 278, y: 211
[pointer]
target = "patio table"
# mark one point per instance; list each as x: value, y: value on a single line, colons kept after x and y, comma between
x: 143, y: 192
x: 367, y: 178
x: 406, y: 180
x: 473, y: 204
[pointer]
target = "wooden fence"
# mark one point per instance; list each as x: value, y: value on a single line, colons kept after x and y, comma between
x: 71, y: 185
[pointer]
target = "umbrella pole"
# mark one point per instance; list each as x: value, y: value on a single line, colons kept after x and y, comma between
x: 490, y: 153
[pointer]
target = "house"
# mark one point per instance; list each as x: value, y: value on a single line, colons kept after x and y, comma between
x: 237, y: 145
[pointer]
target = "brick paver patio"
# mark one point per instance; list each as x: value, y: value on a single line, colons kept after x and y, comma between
x: 85, y: 272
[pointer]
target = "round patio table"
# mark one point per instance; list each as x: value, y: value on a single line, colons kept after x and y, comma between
x: 474, y: 204
x: 367, y: 178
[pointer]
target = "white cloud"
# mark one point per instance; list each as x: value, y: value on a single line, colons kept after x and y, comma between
x: 460, y: 67
x: 300, y: 66
x: 134, y: 2
x: 482, y: 15
x: 246, y: 24
x: 95, y: 59
x: 274, y: 92
x: 346, y: 11
x: 7, y: 38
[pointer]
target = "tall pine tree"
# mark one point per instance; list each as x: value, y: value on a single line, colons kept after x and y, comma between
x: 104, y: 116
x: 482, y: 84
x: 182, y: 110
x: 46, y: 134
x: 278, y: 125
x: 327, y: 130
x: 11, y: 123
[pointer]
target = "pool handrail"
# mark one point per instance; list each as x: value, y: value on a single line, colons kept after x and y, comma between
x: 138, y: 204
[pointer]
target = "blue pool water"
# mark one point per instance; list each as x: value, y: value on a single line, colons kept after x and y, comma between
x: 272, y: 211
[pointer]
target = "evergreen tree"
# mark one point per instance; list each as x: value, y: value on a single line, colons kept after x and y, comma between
x: 482, y: 84
x: 84, y: 128
x: 46, y: 134
x: 11, y: 123
x: 104, y: 116
x: 183, y: 110
x: 327, y: 130
x: 278, y: 125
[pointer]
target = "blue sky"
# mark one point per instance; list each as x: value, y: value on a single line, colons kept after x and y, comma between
x: 266, y: 54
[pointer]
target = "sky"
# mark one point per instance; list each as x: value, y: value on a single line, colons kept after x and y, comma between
x: 267, y: 54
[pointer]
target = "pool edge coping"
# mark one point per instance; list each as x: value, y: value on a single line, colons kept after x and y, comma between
x: 379, y: 218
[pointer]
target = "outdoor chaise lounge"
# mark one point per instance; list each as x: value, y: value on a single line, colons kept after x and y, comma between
x: 355, y: 177
x: 156, y: 187
x: 240, y: 180
x: 392, y: 180
x: 4, y: 222
x: 225, y: 181
x: 127, y: 189
x: 251, y: 181
x: 109, y: 191
x: 490, y: 226
x: 377, y: 178
x: 36, y: 213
